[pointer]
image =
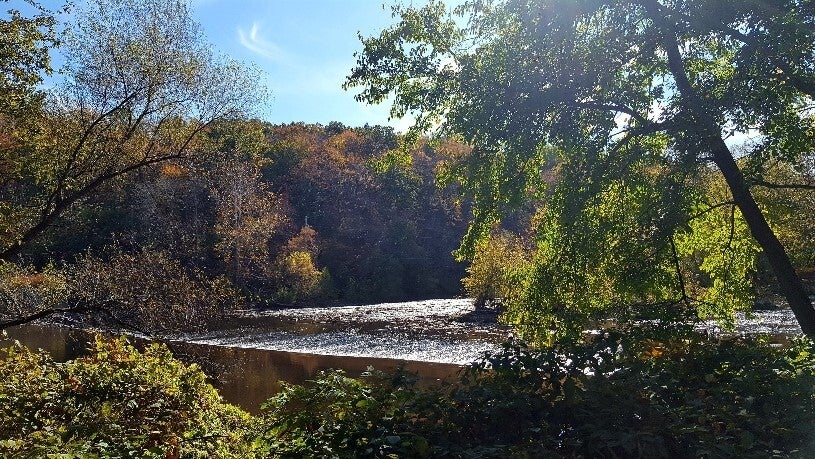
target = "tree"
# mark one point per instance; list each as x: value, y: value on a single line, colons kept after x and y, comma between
x: 140, y: 86
x: 148, y: 291
x: 24, y: 44
x: 248, y: 216
x: 489, y: 277
x: 635, y: 98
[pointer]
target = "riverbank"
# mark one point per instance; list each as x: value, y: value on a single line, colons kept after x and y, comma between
x: 244, y: 376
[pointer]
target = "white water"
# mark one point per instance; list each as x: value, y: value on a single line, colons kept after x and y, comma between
x: 427, y: 331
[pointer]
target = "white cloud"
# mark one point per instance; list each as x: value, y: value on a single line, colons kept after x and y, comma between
x: 253, y: 41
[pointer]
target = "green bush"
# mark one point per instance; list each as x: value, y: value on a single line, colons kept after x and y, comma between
x: 496, y: 263
x: 116, y: 402
x: 337, y: 416
x: 642, y: 393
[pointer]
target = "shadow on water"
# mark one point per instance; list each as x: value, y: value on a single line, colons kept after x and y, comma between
x: 244, y: 377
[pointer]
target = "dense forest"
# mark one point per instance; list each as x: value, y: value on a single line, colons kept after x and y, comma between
x: 260, y: 216
x: 604, y: 174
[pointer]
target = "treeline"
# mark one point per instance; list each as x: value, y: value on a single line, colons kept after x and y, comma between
x: 289, y: 214
x: 263, y: 215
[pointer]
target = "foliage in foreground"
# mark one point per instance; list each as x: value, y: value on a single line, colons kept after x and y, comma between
x: 632, y: 395
x: 641, y: 393
x: 116, y: 402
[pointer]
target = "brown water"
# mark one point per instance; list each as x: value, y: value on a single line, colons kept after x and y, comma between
x: 245, y: 377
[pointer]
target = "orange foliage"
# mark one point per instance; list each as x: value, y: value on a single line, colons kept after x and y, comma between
x: 7, y: 138
x: 453, y: 149
x: 173, y: 170
x: 29, y: 279
x: 345, y: 140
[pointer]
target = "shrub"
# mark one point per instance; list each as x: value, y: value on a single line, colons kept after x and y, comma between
x: 642, y: 393
x: 298, y: 277
x: 25, y: 290
x: 337, y: 416
x: 495, y: 263
x: 116, y: 402
x: 152, y: 291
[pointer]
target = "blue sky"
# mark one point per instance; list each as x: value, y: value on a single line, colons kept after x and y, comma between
x: 305, y: 49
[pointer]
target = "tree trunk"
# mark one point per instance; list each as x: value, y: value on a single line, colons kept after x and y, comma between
x: 710, y: 132
x: 788, y: 279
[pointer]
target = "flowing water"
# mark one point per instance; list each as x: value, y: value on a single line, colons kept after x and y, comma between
x: 249, y: 357
x: 444, y: 331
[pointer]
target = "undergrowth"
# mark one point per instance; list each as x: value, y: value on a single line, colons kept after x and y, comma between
x: 641, y: 392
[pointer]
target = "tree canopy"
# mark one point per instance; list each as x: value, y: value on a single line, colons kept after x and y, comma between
x: 633, y: 103
x: 139, y: 86
x: 24, y: 45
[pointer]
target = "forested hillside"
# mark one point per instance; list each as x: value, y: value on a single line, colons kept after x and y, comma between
x: 261, y: 215
x: 141, y: 190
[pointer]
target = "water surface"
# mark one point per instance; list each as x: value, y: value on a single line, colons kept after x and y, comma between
x: 245, y: 377
x: 248, y: 358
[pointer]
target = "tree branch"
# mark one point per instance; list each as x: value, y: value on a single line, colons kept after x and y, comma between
x: 680, y: 278
x: 37, y: 315
x: 801, y: 83
x: 84, y: 309
x: 613, y: 108
x: 783, y: 186
x: 710, y: 209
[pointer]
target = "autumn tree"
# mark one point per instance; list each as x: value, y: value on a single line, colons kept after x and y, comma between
x: 24, y: 45
x: 634, y: 99
x: 139, y: 88
x: 247, y: 214
x: 496, y: 261
x: 385, y: 229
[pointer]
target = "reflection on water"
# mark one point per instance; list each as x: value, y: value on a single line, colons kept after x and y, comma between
x: 244, y: 377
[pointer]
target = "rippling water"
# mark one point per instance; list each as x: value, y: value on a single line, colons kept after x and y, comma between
x: 446, y: 331
x: 775, y: 323
x: 432, y: 338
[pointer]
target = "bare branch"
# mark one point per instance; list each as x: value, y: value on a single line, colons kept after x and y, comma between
x: 710, y: 209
